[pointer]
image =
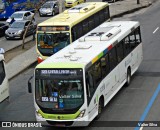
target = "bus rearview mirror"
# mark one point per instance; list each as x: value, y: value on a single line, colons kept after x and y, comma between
x: 30, y: 85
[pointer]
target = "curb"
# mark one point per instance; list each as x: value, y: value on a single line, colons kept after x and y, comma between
x: 24, y: 69
x: 17, y: 46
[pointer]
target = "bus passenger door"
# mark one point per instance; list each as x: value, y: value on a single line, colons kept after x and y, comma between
x: 114, y: 71
x: 92, y: 100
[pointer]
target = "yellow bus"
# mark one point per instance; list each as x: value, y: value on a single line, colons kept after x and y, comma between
x: 61, y: 30
x: 71, y: 3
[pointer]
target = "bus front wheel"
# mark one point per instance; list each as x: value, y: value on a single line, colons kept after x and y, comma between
x: 100, y: 108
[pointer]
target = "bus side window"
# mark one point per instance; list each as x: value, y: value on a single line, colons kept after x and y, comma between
x: 138, y: 36
x: 96, y: 19
x: 101, y: 16
x: 2, y: 72
x: 85, y: 26
x: 91, y: 23
x: 87, y: 88
x: 105, y: 65
x: 89, y: 85
x: 126, y: 46
x: 132, y: 41
x: 112, y: 58
x: 120, y: 52
x: 77, y: 32
x: 97, y: 73
x: 106, y: 13
x: 74, y: 34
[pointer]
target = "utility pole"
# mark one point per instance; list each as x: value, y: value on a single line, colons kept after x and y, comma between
x: 138, y: 1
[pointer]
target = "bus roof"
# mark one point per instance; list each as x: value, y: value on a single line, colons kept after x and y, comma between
x: 73, y: 15
x: 89, y: 48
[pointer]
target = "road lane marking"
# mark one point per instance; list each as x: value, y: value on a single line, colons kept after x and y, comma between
x: 155, y: 30
x: 147, y: 109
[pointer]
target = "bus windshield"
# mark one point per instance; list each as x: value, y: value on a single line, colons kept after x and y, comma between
x: 64, y: 91
x: 50, y: 43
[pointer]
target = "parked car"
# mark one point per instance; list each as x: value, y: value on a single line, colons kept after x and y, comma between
x: 109, y: 1
x: 49, y: 8
x: 20, y: 15
x: 17, y: 29
x: 71, y: 3
x: 3, y: 28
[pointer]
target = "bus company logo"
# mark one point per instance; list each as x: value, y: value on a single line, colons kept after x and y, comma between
x: 60, y: 117
x: 6, y: 124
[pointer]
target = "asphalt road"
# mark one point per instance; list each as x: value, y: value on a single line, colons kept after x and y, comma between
x: 129, y: 104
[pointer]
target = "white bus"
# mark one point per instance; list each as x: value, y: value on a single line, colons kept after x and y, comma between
x: 4, y: 87
x: 73, y: 86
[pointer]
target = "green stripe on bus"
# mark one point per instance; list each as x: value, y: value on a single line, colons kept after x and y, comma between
x: 60, y: 65
x: 97, y: 57
x: 100, y: 55
x: 59, y: 116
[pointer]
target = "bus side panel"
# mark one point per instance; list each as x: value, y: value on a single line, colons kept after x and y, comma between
x: 4, y: 87
x: 111, y: 82
x: 4, y: 90
x: 122, y: 71
x: 140, y: 54
x: 137, y: 57
x: 134, y: 62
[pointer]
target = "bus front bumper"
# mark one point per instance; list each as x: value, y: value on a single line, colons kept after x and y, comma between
x: 79, y: 122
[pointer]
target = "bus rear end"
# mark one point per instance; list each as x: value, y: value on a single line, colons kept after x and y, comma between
x: 60, y: 98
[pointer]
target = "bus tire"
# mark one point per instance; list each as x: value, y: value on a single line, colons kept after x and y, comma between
x: 100, y: 108
x: 128, y: 78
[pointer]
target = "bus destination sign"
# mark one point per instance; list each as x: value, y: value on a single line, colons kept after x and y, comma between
x: 53, y: 28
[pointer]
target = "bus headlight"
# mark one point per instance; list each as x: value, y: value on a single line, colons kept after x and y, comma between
x: 38, y: 114
x: 81, y: 114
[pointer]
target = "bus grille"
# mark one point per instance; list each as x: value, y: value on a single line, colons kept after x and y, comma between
x: 60, y: 123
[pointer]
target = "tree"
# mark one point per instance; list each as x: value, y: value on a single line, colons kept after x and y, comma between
x: 26, y: 29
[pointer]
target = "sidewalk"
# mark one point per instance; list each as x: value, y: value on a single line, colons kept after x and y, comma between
x: 117, y: 9
x: 122, y: 7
